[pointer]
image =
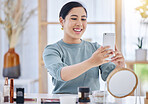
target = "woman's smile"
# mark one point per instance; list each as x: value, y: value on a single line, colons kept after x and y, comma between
x: 77, y: 30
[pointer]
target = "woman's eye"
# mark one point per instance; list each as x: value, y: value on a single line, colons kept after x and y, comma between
x: 83, y: 19
x: 74, y: 18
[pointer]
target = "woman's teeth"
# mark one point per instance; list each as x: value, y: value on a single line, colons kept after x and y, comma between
x: 77, y: 30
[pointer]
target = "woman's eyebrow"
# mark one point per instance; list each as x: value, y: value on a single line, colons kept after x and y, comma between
x: 83, y: 16
x: 74, y: 15
x: 77, y: 15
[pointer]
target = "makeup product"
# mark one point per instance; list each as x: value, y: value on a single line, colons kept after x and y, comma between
x: 50, y: 101
x: 6, y: 90
x: 99, y: 96
x: 46, y: 100
x: 19, y: 95
x: 28, y: 99
x: 83, y: 93
x: 67, y: 99
x: 11, y: 90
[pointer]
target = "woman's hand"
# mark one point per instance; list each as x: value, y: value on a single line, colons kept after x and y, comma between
x: 118, y: 59
x: 100, y: 55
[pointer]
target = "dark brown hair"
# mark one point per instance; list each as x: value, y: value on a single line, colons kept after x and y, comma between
x: 68, y: 6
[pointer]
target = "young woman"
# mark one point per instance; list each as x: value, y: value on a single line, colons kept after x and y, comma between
x: 73, y: 62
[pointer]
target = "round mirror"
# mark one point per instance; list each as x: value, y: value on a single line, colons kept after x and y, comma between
x: 122, y: 82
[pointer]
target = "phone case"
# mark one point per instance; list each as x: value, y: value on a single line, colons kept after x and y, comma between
x: 109, y: 40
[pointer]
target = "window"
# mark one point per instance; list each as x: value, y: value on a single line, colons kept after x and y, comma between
x: 133, y: 28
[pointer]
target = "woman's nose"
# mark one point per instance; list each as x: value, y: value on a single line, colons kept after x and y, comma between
x: 79, y: 23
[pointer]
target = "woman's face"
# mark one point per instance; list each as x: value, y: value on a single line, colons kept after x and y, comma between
x: 74, y: 25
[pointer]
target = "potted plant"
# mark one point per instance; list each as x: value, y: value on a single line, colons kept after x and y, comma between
x: 141, y: 54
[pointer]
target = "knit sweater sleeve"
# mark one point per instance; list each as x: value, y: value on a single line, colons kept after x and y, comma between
x: 53, y: 61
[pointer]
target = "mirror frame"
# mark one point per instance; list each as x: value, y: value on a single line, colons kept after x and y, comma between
x: 114, y: 72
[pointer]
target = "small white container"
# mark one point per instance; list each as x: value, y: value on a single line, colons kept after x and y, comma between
x: 67, y: 100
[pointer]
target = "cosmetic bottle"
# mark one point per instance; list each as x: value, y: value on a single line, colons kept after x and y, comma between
x: 6, y: 90
x: 83, y: 93
x: 11, y: 90
x: 20, y: 95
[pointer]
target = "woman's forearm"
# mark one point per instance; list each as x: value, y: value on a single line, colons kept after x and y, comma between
x: 73, y: 71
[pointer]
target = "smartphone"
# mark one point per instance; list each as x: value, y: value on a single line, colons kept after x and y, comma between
x: 109, y: 40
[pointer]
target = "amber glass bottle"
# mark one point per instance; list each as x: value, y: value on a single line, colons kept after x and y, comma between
x: 11, y: 68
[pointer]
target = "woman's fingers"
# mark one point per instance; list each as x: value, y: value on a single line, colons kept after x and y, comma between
x: 117, y: 56
x: 99, y: 49
x: 110, y: 51
x: 108, y: 55
x: 116, y: 49
x: 106, y: 61
x: 105, y: 49
x: 118, y: 59
x: 117, y: 52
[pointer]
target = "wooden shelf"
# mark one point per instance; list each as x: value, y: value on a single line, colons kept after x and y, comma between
x: 137, y: 62
x: 130, y: 64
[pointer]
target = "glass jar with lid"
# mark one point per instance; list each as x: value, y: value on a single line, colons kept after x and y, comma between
x: 83, y: 93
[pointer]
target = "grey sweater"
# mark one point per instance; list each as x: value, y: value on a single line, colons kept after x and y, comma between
x: 58, y: 55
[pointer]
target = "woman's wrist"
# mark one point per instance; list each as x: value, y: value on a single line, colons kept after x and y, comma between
x: 91, y: 63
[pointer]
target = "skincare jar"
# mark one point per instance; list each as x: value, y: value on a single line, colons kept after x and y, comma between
x: 99, y: 96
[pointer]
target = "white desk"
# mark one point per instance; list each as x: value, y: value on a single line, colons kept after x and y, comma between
x: 110, y: 99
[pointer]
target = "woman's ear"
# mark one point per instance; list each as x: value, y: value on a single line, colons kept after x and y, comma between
x: 61, y: 21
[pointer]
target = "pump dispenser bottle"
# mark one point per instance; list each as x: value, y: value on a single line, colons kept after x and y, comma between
x: 6, y: 91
